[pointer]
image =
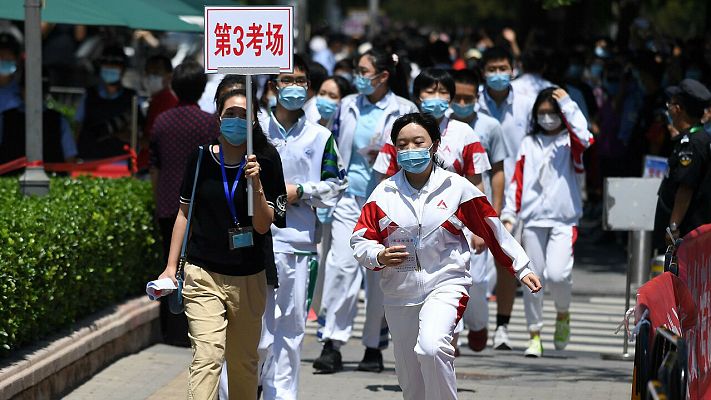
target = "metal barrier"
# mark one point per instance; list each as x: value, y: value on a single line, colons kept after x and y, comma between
x: 668, y: 367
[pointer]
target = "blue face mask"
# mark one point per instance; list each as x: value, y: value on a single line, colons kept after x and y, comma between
x: 462, y: 111
x: 434, y: 107
x: 575, y: 71
x: 234, y: 130
x: 7, y: 67
x: 707, y: 127
x: 292, y: 97
x: 110, y: 76
x: 498, y: 82
x: 326, y: 107
x: 364, y: 85
x: 414, y: 161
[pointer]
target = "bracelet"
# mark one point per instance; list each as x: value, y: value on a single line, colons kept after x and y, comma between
x: 299, y: 191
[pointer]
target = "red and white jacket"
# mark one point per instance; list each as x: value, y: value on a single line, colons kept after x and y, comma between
x: 438, y: 212
x: 460, y: 150
x: 544, y: 191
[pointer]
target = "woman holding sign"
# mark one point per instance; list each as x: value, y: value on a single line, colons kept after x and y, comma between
x: 411, y: 231
x: 228, y: 252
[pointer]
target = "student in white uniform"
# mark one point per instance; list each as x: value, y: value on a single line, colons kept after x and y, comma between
x: 461, y: 150
x: 314, y: 177
x: 362, y: 128
x: 513, y: 111
x: 544, y: 196
x: 488, y: 129
x: 411, y: 232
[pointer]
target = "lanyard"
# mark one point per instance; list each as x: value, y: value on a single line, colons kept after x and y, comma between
x: 230, y: 194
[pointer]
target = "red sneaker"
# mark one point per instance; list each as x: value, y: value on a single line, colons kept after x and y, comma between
x: 478, y: 339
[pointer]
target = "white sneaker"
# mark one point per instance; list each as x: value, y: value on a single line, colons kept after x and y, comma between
x: 535, y: 348
x: 501, y: 338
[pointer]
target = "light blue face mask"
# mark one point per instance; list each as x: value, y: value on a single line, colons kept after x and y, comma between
x: 414, y: 161
x: 234, y: 130
x: 434, y: 107
x: 7, y: 67
x: 292, y: 97
x: 462, y: 111
x: 498, y: 82
x: 326, y: 107
x: 110, y: 75
x: 271, y: 102
x: 364, y: 85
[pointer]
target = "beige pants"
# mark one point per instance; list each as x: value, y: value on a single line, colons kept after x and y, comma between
x: 224, y: 323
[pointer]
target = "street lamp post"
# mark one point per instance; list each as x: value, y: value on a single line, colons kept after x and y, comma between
x: 34, y: 181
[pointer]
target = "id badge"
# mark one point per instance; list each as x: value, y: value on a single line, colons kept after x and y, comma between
x: 240, y: 237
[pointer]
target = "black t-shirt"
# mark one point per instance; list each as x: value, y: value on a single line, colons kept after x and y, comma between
x: 208, y: 246
x: 689, y: 165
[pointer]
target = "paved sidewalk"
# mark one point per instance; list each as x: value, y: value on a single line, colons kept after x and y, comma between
x: 160, y: 372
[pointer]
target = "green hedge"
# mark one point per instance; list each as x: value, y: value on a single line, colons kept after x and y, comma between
x: 87, y: 245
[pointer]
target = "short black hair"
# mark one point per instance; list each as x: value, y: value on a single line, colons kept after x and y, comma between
x: 230, y: 81
x: 424, y: 120
x: 160, y: 59
x: 9, y: 42
x: 113, y: 54
x: 467, y: 77
x: 317, y: 74
x: 432, y: 76
x: 496, y: 53
x: 692, y: 107
x: 189, y: 81
x: 300, y: 63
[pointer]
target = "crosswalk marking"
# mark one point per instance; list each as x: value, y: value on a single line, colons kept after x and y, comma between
x: 592, y: 325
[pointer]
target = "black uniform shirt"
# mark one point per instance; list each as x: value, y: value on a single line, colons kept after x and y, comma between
x: 688, y: 165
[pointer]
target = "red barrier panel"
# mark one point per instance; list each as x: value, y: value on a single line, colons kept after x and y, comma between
x: 694, y: 256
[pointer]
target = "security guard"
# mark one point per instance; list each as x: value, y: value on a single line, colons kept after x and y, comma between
x: 684, y: 201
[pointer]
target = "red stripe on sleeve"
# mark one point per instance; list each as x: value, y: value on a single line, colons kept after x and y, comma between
x: 391, y: 152
x: 451, y: 228
x: 468, y: 157
x: 473, y: 213
x: 369, y: 220
x: 462, y: 307
x: 518, y: 180
x: 576, y: 148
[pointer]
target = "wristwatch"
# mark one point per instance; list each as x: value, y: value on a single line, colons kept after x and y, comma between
x: 299, y: 191
x: 673, y: 227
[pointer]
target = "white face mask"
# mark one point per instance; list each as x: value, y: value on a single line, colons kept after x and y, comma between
x: 153, y: 84
x: 549, y: 122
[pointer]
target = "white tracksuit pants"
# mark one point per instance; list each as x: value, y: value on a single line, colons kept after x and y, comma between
x: 551, y: 254
x: 342, y: 281
x: 422, y: 335
x: 283, y: 328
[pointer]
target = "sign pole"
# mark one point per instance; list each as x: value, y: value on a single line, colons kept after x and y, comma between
x: 250, y: 142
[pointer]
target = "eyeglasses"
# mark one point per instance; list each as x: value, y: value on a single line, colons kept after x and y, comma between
x: 289, y: 81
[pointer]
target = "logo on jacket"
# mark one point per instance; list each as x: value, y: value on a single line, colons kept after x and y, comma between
x: 442, y: 205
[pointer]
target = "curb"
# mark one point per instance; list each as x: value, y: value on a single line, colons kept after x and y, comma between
x: 53, y: 367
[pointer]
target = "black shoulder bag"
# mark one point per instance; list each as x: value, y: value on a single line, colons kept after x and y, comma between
x: 175, y: 300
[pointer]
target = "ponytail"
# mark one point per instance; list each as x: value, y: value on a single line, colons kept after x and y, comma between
x: 395, y: 65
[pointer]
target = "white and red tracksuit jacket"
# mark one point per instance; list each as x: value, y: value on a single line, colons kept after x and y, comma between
x: 544, y: 191
x: 439, y: 212
x: 460, y: 151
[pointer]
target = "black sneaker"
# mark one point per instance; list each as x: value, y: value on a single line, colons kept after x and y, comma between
x: 330, y: 359
x: 372, y: 361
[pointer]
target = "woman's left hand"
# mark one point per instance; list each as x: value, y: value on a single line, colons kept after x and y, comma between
x: 559, y: 94
x: 251, y: 170
x: 532, y: 282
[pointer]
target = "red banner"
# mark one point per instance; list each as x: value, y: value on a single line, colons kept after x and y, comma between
x: 695, y: 269
x: 669, y: 304
x: 96, y: 167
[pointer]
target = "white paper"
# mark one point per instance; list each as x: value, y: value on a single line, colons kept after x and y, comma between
x: 159, y: 288
x: 398, y: 236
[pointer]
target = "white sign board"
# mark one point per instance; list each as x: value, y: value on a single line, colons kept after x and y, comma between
x: 630, y: 203
x: 249, y: 38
